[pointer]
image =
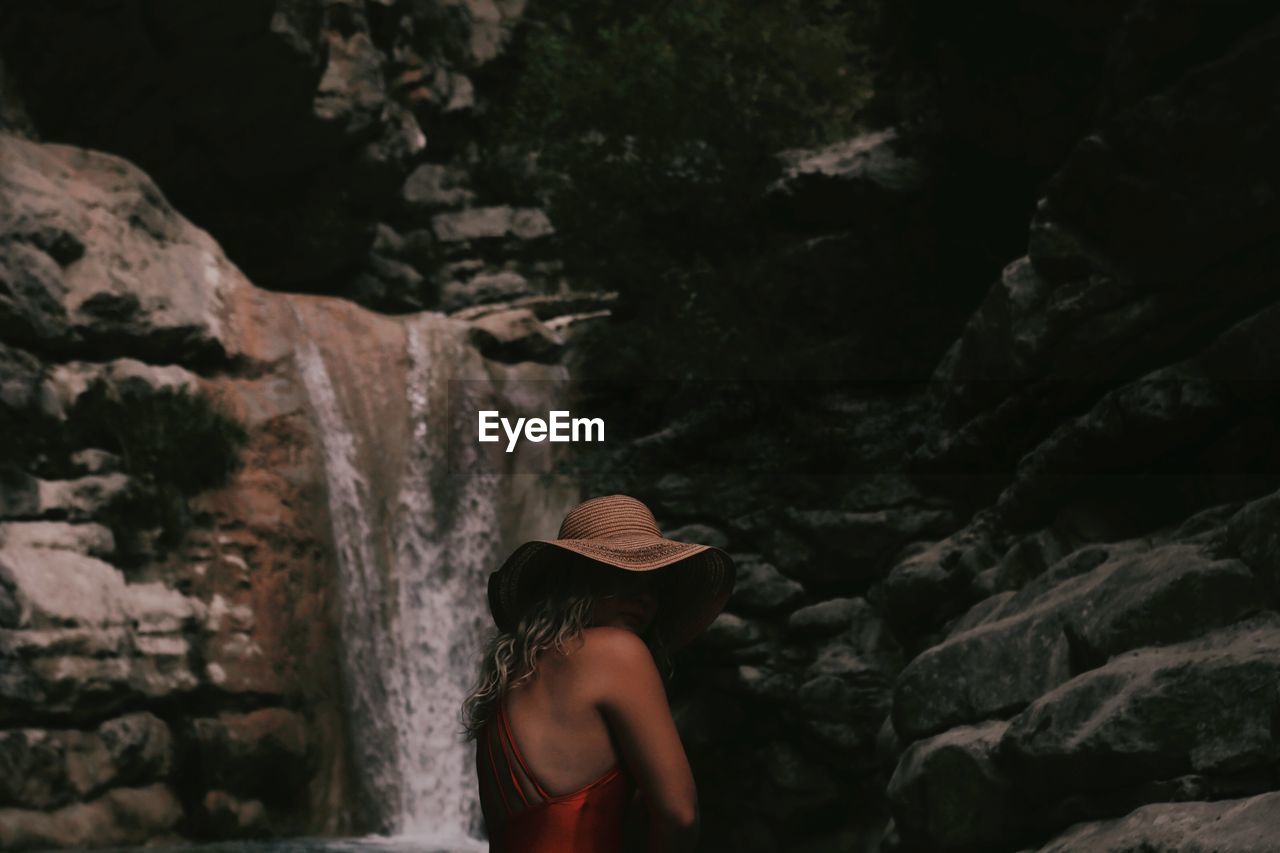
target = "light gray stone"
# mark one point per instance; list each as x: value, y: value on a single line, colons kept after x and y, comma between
x: 1165, y: 595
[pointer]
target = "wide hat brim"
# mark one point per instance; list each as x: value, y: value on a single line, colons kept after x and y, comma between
x: 697, y: 579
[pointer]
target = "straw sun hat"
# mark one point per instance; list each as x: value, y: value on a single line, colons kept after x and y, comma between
x: 621, y: 532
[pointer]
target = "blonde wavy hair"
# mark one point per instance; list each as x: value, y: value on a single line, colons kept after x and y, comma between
x: 556, y: 621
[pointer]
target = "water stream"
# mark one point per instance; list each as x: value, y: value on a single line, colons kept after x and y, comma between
x: 416, y: 535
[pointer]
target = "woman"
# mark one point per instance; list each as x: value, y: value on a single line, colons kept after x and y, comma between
x: 570, y: 715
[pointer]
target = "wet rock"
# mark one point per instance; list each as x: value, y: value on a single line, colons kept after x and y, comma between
x: 436, y: 186
x: 1245, y: 825
x: 21, y: 375
x: 844, y: 550
x: 1156, y: 713
x: 1168, y: 594
x: 1026, y: 559
x: 224, y: 615
x: 1078, y: 562
x: 153, y: 288
x: 258, y: 755
x: 762, y: 682
x: 676, y: 493
x: 1136, y: 424
x: 949, y: 792
x: 933, y: 581
x: 760, y: 588
x: 351, y: 93
x: 45, y: 769
x: 729, y: 632
x: 123, y: 377
x: 826, y: 617
x: 1254, y: 533
x: 701, y: 534
x: 30, y: 313
x: 140, y: 746
x: 93, y: 460
x: 19, y: 494
x: 93, y: 539
x: 392, y: 285
x: 120, y: 816
x: 228, y: 816
x: 82, y: 498
x: 234, y: 662
x: 845, y: 692
x: 87, y: 641
x: 484, y: 288
x: 491, y: 223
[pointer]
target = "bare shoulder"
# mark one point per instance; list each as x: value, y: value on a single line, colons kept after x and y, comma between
x: 619, y: 668
x: 608, y: 651
x: 617, y: 645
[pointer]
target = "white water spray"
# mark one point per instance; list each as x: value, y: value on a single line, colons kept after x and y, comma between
x: 416, y: 534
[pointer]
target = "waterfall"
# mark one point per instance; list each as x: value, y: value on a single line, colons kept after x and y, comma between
x: 367, y: 640
x: 416, y: 533
x: 445, y: 548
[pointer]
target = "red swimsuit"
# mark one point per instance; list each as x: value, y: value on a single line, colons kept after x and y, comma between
x: 588, y: 820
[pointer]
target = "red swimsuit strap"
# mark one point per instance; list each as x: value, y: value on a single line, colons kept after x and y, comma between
x: 510, y: 743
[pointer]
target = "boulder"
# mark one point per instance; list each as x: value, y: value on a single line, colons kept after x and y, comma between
x: 125, y: 377
x: 45, y: 769
x: 1046, y: 636
x: 436, y: 186
x: 227, y: 816
x: 78, y: 639
x: 932, y: 581
x: 1254, y: 534
x: 93, y: 539
x: 82, y: 498
x: 833, y: 616
x: 121, y: 816
x: 491, y: 223
x: 761, y: 588
x: 948, y: 792
x: 257, y: 755
x: 1247, y: 825
x: 704, y: 534
x: 1131, y: 426
x: 154, y: 288
x: 484, y: 288
x: 730, y: 633
x: 1156, y: 713
x: 21, y: 375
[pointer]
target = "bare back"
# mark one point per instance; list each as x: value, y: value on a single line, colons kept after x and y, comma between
x: 557, y: 722
x: 589, y: 717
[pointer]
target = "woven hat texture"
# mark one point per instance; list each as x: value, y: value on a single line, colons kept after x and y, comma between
x: 620, y: 531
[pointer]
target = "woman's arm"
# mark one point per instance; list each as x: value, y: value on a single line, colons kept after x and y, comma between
x: 633, y: 701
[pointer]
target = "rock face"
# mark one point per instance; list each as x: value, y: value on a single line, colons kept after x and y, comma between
x: 1099, y: 636
x: 1060, y: 610
x: 196, y: 687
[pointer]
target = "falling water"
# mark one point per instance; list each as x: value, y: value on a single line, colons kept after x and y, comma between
x: 445, y: 547
x: 367, y: 640
x: 416, y: 535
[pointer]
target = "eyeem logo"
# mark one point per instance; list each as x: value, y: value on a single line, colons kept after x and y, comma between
x: 558, y: 427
